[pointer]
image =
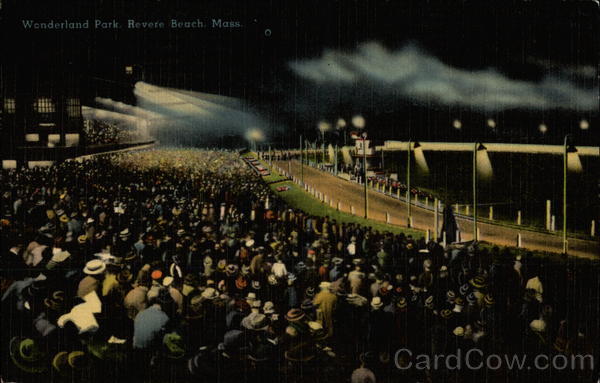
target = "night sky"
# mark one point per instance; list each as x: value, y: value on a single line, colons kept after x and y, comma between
x: 522, y: 41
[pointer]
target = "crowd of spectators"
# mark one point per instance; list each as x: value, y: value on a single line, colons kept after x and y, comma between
x: 178, y: 265
x: 101, y: 133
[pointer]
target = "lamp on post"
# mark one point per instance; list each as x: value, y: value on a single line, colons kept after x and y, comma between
x: 301, y: 161
x: 568, y: 148
x: 411, y: 146
x: 476, y: 148
x: 359, y: 122
x: 341, y: 126
x: 323, y: 127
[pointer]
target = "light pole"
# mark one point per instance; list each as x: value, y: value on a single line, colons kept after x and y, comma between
x: 566, y: 150
x: 341, y: 125
x: 476, y: 148
x: 335, y: 159
x: 301, y: 161
x: 408, y: 206
x: 565, y: 160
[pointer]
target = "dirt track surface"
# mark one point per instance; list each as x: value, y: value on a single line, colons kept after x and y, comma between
x: 350, y: 194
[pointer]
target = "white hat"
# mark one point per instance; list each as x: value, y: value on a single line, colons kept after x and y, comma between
x: 376, y: 302
x: 315, y: 326
x: 269, y: 307
x: 59, y: 255
x: 251, y: 297
x: 94, y: 267
x: 210, y: 293
x: 459, y: 331
x: 324, y: 285
x: 538, y: 325
x: 352, y: 249
x: 249, y: 243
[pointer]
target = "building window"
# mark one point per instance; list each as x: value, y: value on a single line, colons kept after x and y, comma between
x: 53, y: 140
x: 73, y: 107
x: 32, y: 137
x: 9, y: 164
x: 71, y: 139
x: 44, y: 105
x: 9, y: 105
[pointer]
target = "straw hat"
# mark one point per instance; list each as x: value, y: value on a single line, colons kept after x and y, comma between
x: 56, y: 301
x: 27, y: 355
x: 537, y: 325
x: 94, y: 267
x: 174, y: 345
x: 402, y: 304
x: 255, y: 322
x: 325, y: 285
x: 478, y: 282
x: 294, y: 315
x: 65, y: 361
x: 376, y: 303
x: 269, y: 308
x: 446, y: 313
x: 210, y: 293
x: 489, y: 300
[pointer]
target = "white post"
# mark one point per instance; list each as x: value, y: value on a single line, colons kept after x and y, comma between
x: 387, y: 217
x: 411, y: 221
x: 352, y: 210
x: 548, y: 215
x: 553, y: 223
x: 456, y: 208
x: 491, y: 213
x: 457, y: 235
x: 267, y: 204
x: 331, y: 203
x: 427, y: 236
x: 339, y: 205
x: 519, y: 217
x: 444, y: 238
x: 593, y: 228
x: 479, y: 233
x: 436, y: 218
x: 519, y: 240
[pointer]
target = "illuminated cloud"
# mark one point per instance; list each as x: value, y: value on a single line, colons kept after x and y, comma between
x: 418, y: 76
